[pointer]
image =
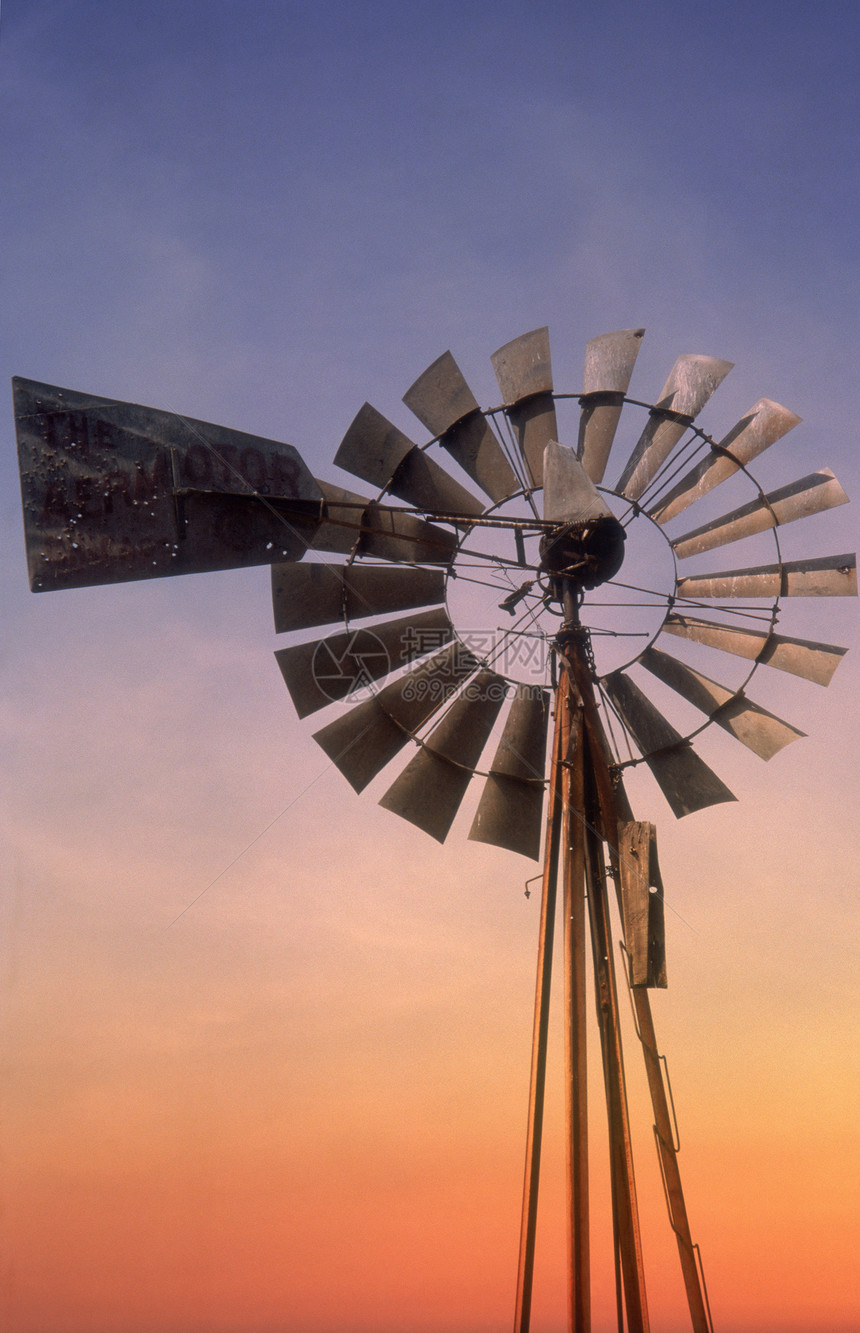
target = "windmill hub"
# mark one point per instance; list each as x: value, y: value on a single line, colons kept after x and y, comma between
x: 585, y: 554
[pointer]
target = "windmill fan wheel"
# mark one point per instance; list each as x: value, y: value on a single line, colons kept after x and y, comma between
x: 534, y: 539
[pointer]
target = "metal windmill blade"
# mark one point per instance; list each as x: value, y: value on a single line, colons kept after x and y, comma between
x: 753, y: 726
x: 524, y: 372
x: 811, y: 495
x: 431, y: 788
x: 814, y: 661
x: 692, y: 380
x: 510, y: 811
x: 378, y: 452
x: 320, y: 594
x: 361, y: 742
x: 823, y: 576
x: 764, y: 424
x: 443, y: 402
x: 684, y: 779
x: 350, y: 524
x: 325, y: 670
x: 609, y: 362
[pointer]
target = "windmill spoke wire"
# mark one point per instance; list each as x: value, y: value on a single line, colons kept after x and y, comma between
x: 636, y: 587
x: 507, y: 444
x: 608, y: 713
x: 483, y: 583
x: 625, y: 731
x: 612, y: 711
x: 486, y: 555
x: 679, y: 458
x: 684, y: 453
x: 744, y: 612
x: 509, y: 632
x: 515, y: 630
x: 659, y: 601
x: 507, y: 569
x: 515, y: 458
x: 764, y: 613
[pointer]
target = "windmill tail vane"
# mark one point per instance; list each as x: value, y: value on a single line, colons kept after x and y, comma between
x: 398, y: 643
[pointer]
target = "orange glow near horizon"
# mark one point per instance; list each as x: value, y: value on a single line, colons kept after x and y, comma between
x: 333, y: 1138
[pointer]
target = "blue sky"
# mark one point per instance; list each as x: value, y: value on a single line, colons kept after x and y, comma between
x: 261, y: 213
x: 252, y: 177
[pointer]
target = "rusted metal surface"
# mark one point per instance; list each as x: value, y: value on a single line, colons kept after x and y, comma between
x: 823, y: 576
x: 684, y: 779
x: 362, y: 741
x: 609, y: 362
x: 810, y: 495
x: 325, y: 670
x: 642, y: 904
x: 756, y: 728
x: 510, y: 810
x: 764, y: 424
x: 114, y: 491
x: 429, y: 791
x: 524, y: 373
x: 320, y: 594
x: 569, y: 494
x: 801, y: 657
x: 378, y: 452
x: 692, y: 381
x: 443, y: 402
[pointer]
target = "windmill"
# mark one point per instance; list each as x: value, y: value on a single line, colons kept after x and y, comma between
x: 576, y: 615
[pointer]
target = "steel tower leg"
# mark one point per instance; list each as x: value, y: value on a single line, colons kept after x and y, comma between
x: 625, y: 1209
x: 575, y: 1047
x: 528, y: 1224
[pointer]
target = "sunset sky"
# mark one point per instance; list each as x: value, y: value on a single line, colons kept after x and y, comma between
x: 265, y: 1045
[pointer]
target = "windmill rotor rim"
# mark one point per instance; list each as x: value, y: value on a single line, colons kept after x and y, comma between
x: 525, y: 491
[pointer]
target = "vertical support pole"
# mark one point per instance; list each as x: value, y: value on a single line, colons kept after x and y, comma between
x: 600, y: 814
x: 575, y: 1048
x: 528, y: 1224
